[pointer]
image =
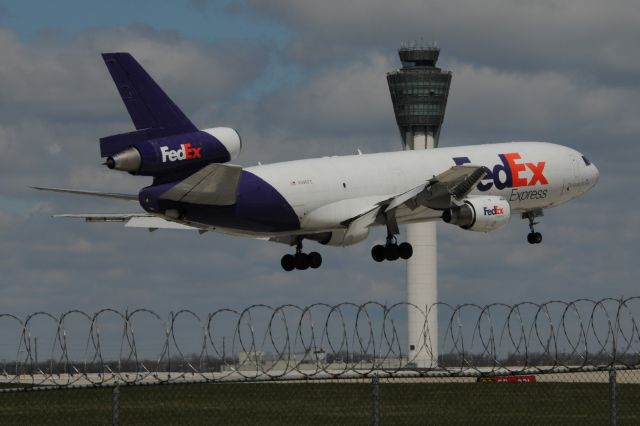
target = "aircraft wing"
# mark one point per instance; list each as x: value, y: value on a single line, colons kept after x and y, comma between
x: 214, y: 184
x: 447, y: 188
x: 438, y: 193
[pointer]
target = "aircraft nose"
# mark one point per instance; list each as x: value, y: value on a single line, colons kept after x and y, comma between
x: 593, y: 175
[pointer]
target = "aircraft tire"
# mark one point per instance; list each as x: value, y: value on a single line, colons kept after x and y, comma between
x: 377, y: 253
x: 534, y: 238
x: 405, y: 250
x: 288, y: 262
x: 391, y: 252
x: 301, y: 261
x: 315, y: 260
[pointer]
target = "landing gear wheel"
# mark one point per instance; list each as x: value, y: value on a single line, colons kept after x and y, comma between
x: 301, y: 261
x: 377, y: 252
x: 315, y: 260
x: 288, y: 262
x: 534, y: 238
x: 391, y: 252
x: 405, y: 250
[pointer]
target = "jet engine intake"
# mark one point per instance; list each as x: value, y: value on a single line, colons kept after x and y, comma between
x: 340, y: 238
x: 481, y: 214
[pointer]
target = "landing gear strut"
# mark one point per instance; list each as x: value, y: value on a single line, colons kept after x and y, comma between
x: 300, y: 260
x: 533, y: 237
x: 391, y: 250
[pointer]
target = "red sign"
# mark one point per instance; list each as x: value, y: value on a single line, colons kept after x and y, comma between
x: 507, y: 379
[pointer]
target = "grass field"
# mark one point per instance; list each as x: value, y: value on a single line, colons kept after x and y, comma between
x: 326, y: 403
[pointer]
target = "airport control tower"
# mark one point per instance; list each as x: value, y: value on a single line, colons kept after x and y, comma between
x: 419, y: 92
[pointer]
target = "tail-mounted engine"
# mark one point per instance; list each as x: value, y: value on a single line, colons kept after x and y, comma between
x: 482, y: 214
x: 170, y: 154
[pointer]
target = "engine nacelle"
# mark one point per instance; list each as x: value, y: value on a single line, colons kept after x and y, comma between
x: 482, y: 214
x: 340, y: 238
x: 178, y: 153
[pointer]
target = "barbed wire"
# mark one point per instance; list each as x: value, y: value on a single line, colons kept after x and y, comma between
x: 317, y: 341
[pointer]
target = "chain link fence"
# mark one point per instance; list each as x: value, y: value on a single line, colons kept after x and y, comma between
x: 593, y: 397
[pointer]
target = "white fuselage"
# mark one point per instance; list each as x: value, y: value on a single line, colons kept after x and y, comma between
x: 326, y: 191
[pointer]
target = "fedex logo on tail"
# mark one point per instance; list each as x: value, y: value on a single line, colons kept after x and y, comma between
x: 186, y: 152
x: 510, y: 173
x: 499, y: 211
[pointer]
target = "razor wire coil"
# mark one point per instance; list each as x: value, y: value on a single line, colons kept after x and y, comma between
x: 319, y: 341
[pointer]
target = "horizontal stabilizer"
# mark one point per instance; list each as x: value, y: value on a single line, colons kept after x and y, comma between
x: 131, y: 220
x: 104, y: 217
x: 129, y: 197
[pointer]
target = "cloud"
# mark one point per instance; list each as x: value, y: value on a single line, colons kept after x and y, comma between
x: 536, y: 105
x: 66, y: 79
x: 583, y: 36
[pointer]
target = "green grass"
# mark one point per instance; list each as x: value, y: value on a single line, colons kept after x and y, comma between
x: 326, y: 403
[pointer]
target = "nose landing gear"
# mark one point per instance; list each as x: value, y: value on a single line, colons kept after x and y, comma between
x: 300, y: 260
x: 533, y: 237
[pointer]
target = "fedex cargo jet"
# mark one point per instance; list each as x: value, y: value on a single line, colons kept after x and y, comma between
x: 332, y: 200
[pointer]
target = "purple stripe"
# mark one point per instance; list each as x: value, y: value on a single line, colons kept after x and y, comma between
x: 259, y: 207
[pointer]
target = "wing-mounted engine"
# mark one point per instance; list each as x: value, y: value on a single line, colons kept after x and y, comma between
x: 340, y: 238
x: 170, y: 154
x: 481, y: 214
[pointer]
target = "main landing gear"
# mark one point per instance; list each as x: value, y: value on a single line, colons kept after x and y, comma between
x: 391, y: 251
x: 301, y: 260
x: 533, y: 237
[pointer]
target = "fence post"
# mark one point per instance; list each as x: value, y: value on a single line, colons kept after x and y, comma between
x: 115, y: 405
x: 375, y: 408
x: 612, y: 396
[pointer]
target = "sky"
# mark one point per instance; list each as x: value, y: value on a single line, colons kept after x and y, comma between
x: 302, y: 79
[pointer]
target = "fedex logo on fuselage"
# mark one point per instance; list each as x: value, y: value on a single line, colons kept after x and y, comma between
x: 186, y: 152
x: 514, y: 172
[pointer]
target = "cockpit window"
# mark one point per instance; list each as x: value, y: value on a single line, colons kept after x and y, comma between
x: 586, y: 161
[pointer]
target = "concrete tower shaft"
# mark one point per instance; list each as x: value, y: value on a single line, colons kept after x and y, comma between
x: 419, y: 92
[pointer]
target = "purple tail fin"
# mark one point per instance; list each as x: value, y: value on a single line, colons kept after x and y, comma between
x: 148, y: 105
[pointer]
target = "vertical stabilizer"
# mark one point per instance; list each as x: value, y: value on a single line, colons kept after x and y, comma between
x: 148, y: 105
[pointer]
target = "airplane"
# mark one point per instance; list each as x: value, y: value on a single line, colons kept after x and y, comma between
x: 330, y: 200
